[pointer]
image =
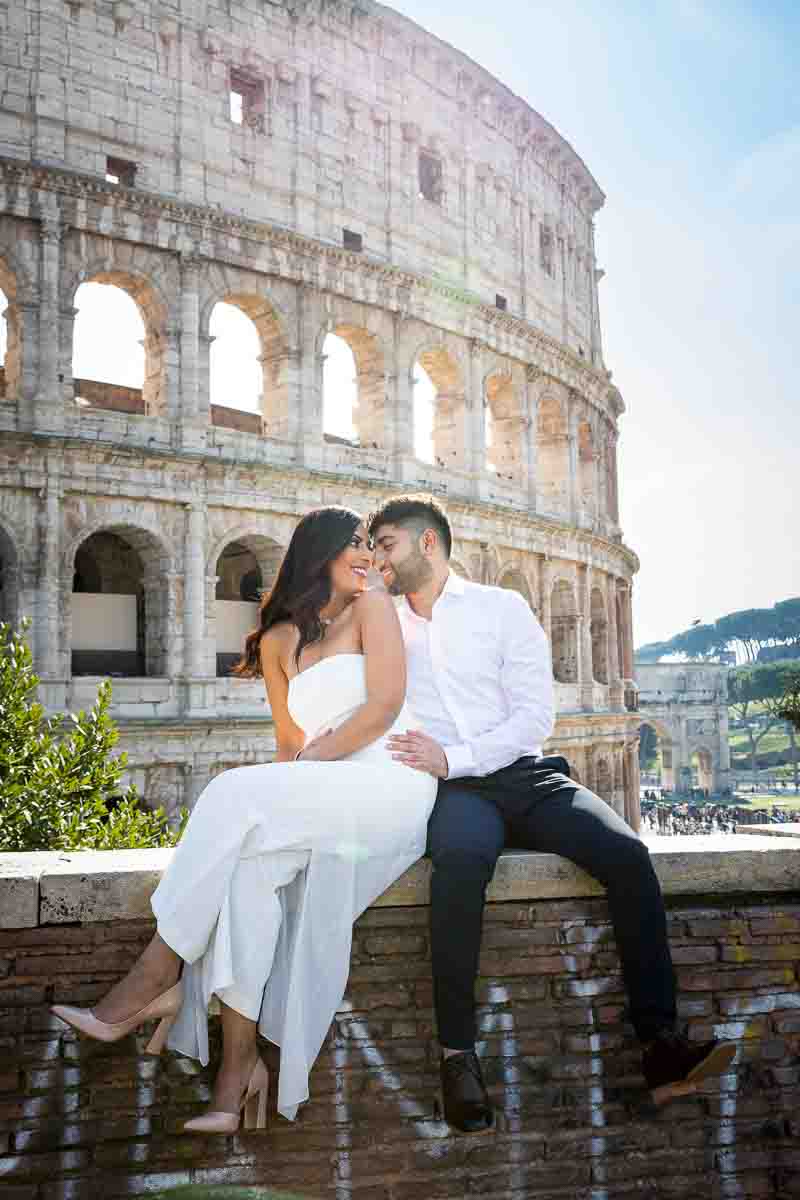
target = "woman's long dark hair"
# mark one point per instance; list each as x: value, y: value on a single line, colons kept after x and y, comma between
x: 303, y: 584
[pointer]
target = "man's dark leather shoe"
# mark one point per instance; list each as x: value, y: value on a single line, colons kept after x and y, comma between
x: 673, y: 1066
x: 466, y: 1104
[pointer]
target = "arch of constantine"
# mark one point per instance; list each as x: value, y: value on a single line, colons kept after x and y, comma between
x: 326, y: 169
x: 687, y: 706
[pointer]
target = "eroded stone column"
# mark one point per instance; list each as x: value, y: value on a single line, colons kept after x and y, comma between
x: 616, y: 690
x: 476, y: 417
x: 49, y: 408
x: 586, y: 671
x: 572, y: 458
x: 50, y: 652
x: 532, y: 374
x: 200, y: 685
x: 192, y: 404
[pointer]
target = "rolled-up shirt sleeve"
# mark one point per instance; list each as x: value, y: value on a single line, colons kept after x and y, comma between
x: 527, y: 682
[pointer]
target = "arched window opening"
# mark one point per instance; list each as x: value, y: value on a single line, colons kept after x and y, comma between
x: 564, y: 626
x: 354, y: 388
x: 440, y: 417
x: 703, y: 770
x: 505, y: 428
x: 236, y: 375
x: 8, y: 580
x: 248, y: 367
x: 339, y: 390
x: 587, y: 471
x: 424, y: 410
x: 245, y: 569
x: 604, y: 780
x: 515, y: 581
x: 599, y: 632
x: 119, y: 605
x: 10, y: 337
x: 552, y: 486
x: 115, y: 364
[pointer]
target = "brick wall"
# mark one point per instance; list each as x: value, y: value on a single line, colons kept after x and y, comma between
x: 84, y: 1120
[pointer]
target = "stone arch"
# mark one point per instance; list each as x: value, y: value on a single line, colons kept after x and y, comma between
x: 9, y: 578
x: 458, y: 568
x: 552, y: 440
x: 599, y: 632
x: 587, y: 470
x: 506, y: 422
x: 120, y: 559
x: 149, y: 299
x: 514, y: 580
x: 665, y: 741
x: 244, y: 568
x: 564, y: 627
x: 604, y: 778
x: 366, y: 347
x: 274, y: 357
x: 704, y: 766
x: 11, y: 361
x: 450, y: 433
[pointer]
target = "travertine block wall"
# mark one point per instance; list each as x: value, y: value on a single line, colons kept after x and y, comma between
x: 350, y: 112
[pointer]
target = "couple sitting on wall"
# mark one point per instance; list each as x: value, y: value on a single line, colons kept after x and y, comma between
x: 394, y: 725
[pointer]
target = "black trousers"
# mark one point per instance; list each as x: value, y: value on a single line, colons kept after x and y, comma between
x: 534, y: 805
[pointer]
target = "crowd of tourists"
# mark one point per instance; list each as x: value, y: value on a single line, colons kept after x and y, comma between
x: 667, y: 817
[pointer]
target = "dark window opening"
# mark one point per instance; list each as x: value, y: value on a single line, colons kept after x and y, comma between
x: 501, y: 302
x: 119, y: 170
x: 431, y: 177
x: 246, y: 100
x: 351, y: 240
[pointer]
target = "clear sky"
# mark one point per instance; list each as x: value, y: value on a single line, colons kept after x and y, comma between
x: 688, y: 115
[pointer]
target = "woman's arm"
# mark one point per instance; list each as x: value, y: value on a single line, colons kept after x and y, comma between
x: 290, y: 738
x: 382, y: 643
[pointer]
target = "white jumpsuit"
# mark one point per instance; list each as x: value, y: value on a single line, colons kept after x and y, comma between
x: 275, y: 864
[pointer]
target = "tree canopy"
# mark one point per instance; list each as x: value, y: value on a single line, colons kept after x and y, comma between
x: 762, y: 635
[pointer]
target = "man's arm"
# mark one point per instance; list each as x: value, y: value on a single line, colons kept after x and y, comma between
x: 526, y: 677
x: 527, y: 681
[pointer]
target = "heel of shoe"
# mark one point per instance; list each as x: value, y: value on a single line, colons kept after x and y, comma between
x: 159, y: 1038
x: 255, y: 1110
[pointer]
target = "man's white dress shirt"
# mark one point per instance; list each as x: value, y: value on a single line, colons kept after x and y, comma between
x: 480, y: 678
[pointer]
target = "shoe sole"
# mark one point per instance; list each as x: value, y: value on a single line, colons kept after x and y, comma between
x: 465, y: 1132
x: 715, y: 1063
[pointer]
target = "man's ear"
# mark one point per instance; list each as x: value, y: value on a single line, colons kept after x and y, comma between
x: 429, y: 541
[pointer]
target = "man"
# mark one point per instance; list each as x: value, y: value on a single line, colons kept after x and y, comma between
x: 480, y: 682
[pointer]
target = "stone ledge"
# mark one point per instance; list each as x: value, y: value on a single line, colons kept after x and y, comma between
x: 53, y: 888
x: 790, y: 829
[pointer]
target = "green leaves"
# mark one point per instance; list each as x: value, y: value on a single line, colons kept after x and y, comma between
x: 60, y: 786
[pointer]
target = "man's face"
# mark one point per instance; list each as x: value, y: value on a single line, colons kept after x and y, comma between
x: 400, y: 559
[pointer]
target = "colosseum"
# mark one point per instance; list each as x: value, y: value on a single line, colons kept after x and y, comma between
x: 338, y: 177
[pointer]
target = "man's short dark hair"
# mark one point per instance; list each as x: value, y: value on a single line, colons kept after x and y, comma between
x: 419, y: 512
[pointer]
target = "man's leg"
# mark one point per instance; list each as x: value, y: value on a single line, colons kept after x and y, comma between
x: 466, y: 833
x: 581, y: 827
x: 465, y: 836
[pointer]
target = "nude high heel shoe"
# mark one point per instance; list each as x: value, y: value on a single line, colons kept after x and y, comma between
x: 166, y: 1006
x: 254, y: 1103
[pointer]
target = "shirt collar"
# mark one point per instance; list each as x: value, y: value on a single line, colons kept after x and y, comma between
x: 454, y: 586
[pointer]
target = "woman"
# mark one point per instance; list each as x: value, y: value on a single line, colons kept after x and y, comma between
x: 278, y: 860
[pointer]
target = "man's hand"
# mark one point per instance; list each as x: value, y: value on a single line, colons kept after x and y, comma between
x: 419, y: 751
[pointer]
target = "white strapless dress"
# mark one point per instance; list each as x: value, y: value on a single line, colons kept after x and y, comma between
x: 275, y: 864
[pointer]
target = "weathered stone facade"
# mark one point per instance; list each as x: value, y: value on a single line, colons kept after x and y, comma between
x: 687, y: 705
x: 477, y: 262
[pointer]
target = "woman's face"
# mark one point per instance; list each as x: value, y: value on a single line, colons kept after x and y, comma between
x: 349, y: 569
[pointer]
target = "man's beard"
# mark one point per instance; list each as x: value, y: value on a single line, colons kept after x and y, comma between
x: 410, y: 575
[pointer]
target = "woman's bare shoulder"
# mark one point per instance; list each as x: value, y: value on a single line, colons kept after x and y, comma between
x: 374, y: 602
x: 279, y: 640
